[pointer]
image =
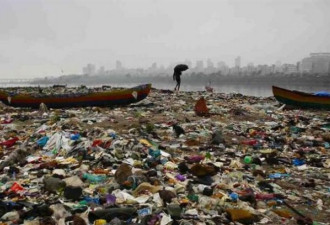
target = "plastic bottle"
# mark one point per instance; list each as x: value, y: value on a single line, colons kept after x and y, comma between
x: 233, y: 196
x: 94, y: 178
x: 247, y: 159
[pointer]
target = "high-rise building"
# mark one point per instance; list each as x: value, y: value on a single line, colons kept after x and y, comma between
x: 222, y: 67
x: 289, y: 68
x: 221, y: 64
x: 209, y: 64
x: 238, y: 62
x: 263, y: 69
x: 250, y: 68
x: 89, y: 69
x: 154, y: 66
x: 101, y: 71
x: 199, y: 65
x: 278, y: 67
x: 316, y: 63
x: 119, y: 65
x: 298, y: 64
x: 306, y: 65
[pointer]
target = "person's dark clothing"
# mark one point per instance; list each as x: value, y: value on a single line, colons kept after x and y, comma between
x: 177, y: 78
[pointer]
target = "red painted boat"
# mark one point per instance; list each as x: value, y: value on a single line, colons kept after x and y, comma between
x: 107, y: 98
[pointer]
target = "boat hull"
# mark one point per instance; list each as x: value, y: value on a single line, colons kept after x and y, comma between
x: 301, y: 99
x: 102, y: 99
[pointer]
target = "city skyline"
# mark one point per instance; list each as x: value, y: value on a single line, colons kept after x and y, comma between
x: 45, y: 38
x: 321, y: 59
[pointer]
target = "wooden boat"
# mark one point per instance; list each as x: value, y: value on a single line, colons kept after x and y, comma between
x: 107, y: 98
x: 301, y: 99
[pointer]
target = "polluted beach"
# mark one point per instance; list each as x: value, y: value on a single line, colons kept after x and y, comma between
x: 151, y: 112
x: 171, y: 158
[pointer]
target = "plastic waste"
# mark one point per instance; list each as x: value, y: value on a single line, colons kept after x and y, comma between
x: 298, y: 162
x: 89, y: 200
x: 193, y: 198
x: 247, y: 159
x: 43, y: 141
x: 234, y: 196
x: 195, y: 158
x: 10, y: 142
x: 75, y: 137
x: 16, y: 187
x: 327, y: 145
x: 259, y: 196
x: 250, y: 142
x: 278, y: 175
x: 100, y: 222
x: 180, y: 177
x: 110, y: 199
x: 144, y: 212
x: 154, y: 153
x: 94, y: 178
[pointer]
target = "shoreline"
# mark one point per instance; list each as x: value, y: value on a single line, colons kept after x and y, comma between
x: 256, y: 90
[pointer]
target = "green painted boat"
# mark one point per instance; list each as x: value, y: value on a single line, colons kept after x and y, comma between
x: 301, y: 99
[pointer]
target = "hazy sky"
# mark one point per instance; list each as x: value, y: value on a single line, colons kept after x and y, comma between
x: 42, y: 37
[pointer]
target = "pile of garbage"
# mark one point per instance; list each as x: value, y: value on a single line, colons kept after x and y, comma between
x: 58, y: 90
x: 230, y: 159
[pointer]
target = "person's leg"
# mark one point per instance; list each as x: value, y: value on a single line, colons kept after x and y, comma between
x: 177, y: 78
x: 179, y: 83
